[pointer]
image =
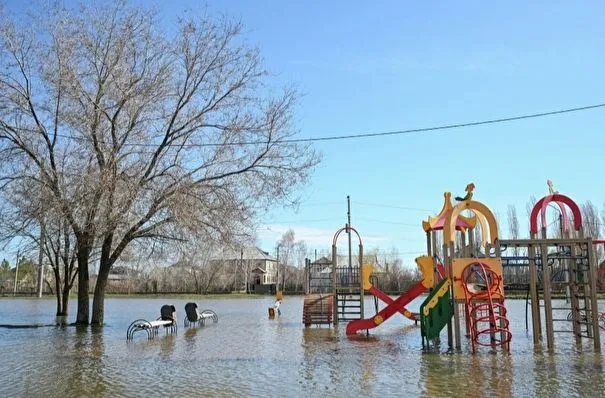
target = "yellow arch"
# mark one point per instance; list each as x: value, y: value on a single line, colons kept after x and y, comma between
x: 477, y: 208
x: 484, y: 228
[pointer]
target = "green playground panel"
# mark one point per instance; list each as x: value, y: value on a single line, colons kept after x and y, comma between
x: 438, y: 316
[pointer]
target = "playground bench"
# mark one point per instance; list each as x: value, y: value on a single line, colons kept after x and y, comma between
x: 151, y: 327
x: 167, y: 320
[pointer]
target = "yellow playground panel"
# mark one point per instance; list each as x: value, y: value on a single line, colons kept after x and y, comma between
x: 425, y: 265
x: 458, y: 266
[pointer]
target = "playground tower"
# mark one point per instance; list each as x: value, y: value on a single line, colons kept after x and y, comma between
x: 566, y: 263
x: 473, y: 282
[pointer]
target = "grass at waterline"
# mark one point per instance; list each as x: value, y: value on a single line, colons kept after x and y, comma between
x: 73, y: 295
x: 212, y: 296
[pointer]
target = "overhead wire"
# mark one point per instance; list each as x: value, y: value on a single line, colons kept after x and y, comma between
x: 426, y: 129
x: 392, y: 206
x: 378, y: 134
x: 389, y: 222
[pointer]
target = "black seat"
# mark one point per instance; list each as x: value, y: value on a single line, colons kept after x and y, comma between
x: 191, y: 312
x: 167, y: 312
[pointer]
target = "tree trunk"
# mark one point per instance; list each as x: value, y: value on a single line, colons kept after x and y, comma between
x: 83, y: 283
x: 64, y: 308
x: 58, y: 289
x: 98, y: 303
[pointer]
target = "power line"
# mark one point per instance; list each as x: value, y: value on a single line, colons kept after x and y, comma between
x: 393, y: 206
x: 302, y: 221
x: 309, y: 204
x: 419, y: 225
x: 379, y: 134
x: 450, y: 126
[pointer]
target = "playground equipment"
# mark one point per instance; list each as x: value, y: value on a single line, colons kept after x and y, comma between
x: 574, y: 256
x: 467, y: 284
x: 436, y: 312
x: 167, y: 320
x: 473, y: 287
x: 346, y: 282
x: 333, y: 288
x: 318, y: 307
x: 425, y: 264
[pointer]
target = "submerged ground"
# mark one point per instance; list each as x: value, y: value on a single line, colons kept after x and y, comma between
x: 247, y: 354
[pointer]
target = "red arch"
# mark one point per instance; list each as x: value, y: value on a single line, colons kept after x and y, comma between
x: 564, y: 217
x: 540, y: 206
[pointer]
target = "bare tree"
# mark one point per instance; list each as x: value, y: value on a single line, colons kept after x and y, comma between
x: 513, y: 233
x: 143, y: 134
x: 591, y: 225
x: 591, y: 222
x: 529, y: 205
x: 61, y: 256
x: 21, y: 211
x: 513, y: 222
x: 286, y: 245
x: 300, y: 252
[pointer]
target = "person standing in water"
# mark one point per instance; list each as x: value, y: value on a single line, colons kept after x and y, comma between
x: 276, y: 306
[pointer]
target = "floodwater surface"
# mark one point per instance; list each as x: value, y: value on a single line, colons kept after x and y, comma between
x: 248, y: 354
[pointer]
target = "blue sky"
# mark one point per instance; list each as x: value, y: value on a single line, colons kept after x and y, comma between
x: 392, y: 65
x: 383, y: 66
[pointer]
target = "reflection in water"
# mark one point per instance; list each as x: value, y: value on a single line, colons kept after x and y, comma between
x: 444, y: 375
x: 545, y: 375
x: 433, y: 371
x: 167, y: 344
x: 317, y: 342
x: 592, y: 383
x: 500, y: 369
x: 86, y: 362
x: 191, y: 337
x: 369, y: 358
x: 247, y: 354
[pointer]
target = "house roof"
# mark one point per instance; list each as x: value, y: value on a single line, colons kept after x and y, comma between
x: 322, y: 261
x: 118, y: 277
x: 245, y: 253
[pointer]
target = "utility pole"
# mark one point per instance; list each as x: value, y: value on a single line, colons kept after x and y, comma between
x: 234, y: 268
x: 41, y: 258
x: 16, y: 272
x: 349, y: 233
x: 277, y: 272
x: 41, y: 244
x: 241, y: 264
x: 283, y: 274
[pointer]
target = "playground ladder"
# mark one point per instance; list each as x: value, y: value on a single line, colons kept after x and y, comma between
x: 579, y: 310
x: 348, y: 303
x: 348, y: 294
x: 485, y: 311
x: 317, y: 309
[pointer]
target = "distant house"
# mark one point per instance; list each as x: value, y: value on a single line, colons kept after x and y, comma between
x: 252, y: 266
x: 121, y: 279
x: 320, y: 276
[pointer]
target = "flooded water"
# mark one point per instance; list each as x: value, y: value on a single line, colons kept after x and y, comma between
x: 247, y: 354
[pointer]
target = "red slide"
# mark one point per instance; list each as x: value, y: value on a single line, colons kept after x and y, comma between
x: 385, y: 298
x: 394, y: 306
